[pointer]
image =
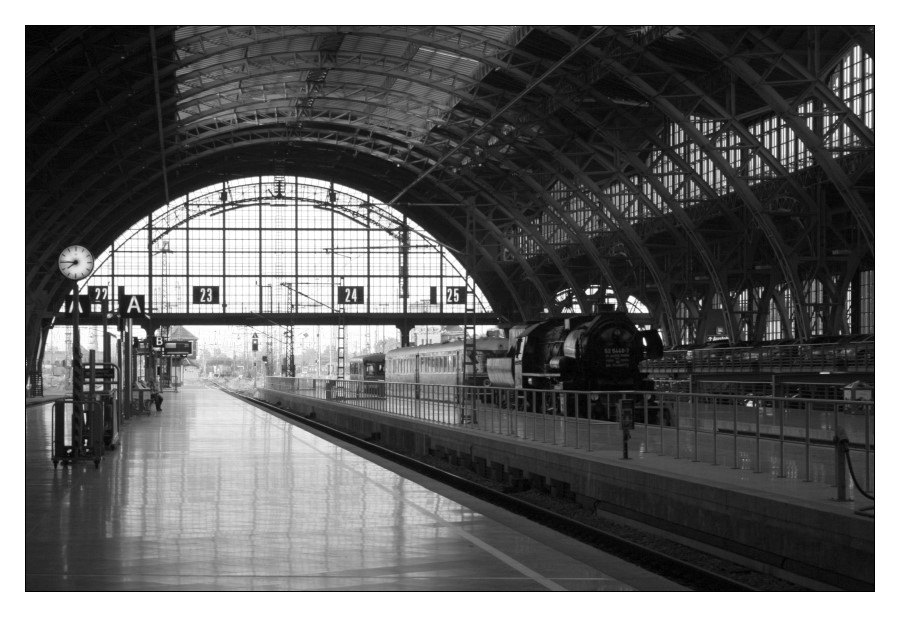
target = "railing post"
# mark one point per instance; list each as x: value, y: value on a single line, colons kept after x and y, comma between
x: 677, y: 427
x: 558, y: 411
x: 715, y: 434
x: 646, y: 399
x: 694, y: 458
x: 588, y: 411
x: 734, y: 431
x: 576, y: 398
x: 841, y: 446
x: 869, y: 408
x: 780, y: 438
x: 758, y: 462
x: 808, y: 444
x: 625, y: 408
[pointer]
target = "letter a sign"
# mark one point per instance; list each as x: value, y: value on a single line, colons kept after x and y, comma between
x: 131, y: 306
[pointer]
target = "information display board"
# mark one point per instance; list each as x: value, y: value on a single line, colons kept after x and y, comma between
x: 178, y: 348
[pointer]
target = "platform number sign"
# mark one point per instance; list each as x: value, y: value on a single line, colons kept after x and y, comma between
x: 455, y: 295
x: 84, y: 305
x: 206, y: 294
x: 131, y: 305
x: 351, y: 295
x: 98, y: 294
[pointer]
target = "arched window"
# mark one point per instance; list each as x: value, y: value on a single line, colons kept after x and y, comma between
x: 270, y: 244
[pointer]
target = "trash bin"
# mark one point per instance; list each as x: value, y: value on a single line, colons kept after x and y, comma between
x: 858, y: 391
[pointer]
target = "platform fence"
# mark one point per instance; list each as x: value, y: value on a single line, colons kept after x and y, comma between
x: 783, y: 437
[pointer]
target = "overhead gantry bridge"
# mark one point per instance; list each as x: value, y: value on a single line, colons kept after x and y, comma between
x: 401, y: 320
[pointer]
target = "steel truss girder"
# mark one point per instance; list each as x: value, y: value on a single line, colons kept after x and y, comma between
x: 573, y: 229
x: 564, y: 220
x: 456, y: 198
x: 482, y: 50
x: 865, y: 217
x: 416, y: 159
x: 113, y: 139
x: 147, y: 83
x: 384, y: 98
x: 487, y: 192
x: 658, y: 99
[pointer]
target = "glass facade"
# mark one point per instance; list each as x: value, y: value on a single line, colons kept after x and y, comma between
x: 281, y: 245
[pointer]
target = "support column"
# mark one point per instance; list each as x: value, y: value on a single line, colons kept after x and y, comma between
x: 403, y: 327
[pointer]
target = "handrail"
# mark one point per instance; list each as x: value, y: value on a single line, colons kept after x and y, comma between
x: 753, y: 431
x: 807, y: 357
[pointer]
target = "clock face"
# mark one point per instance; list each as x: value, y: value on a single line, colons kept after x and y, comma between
x: 76, y: 262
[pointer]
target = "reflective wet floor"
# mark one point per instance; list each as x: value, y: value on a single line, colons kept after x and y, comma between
x: 214, y: 494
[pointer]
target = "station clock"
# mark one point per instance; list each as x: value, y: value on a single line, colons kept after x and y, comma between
x: 76, y: 262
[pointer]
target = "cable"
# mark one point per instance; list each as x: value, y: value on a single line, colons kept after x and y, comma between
x: 853, y: 475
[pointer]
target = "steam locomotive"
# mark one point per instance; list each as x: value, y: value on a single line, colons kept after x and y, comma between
x: 583, y: 353
x: 559, y: 365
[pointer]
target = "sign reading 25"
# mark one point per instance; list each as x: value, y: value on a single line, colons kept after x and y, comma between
x: 455, y: 295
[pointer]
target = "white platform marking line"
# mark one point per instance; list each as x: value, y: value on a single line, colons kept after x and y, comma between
x: 510, y: 561
x: 517, y: 565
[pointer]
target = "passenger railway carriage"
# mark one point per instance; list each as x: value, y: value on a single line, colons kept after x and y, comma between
x: 442, y: 364
x: 368, y: 373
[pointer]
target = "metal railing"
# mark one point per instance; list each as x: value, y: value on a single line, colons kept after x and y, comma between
x: 812, y: 358
x: 784, y: 437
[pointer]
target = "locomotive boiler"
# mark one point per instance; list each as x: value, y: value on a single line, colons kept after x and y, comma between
x: 583, y: 353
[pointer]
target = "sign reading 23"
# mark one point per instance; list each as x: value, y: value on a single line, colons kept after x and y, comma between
x: 206, y: 294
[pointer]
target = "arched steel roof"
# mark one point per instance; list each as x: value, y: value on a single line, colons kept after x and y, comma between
x: 486, y: 136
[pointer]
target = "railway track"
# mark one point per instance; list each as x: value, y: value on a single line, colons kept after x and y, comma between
x: 688, y: 566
